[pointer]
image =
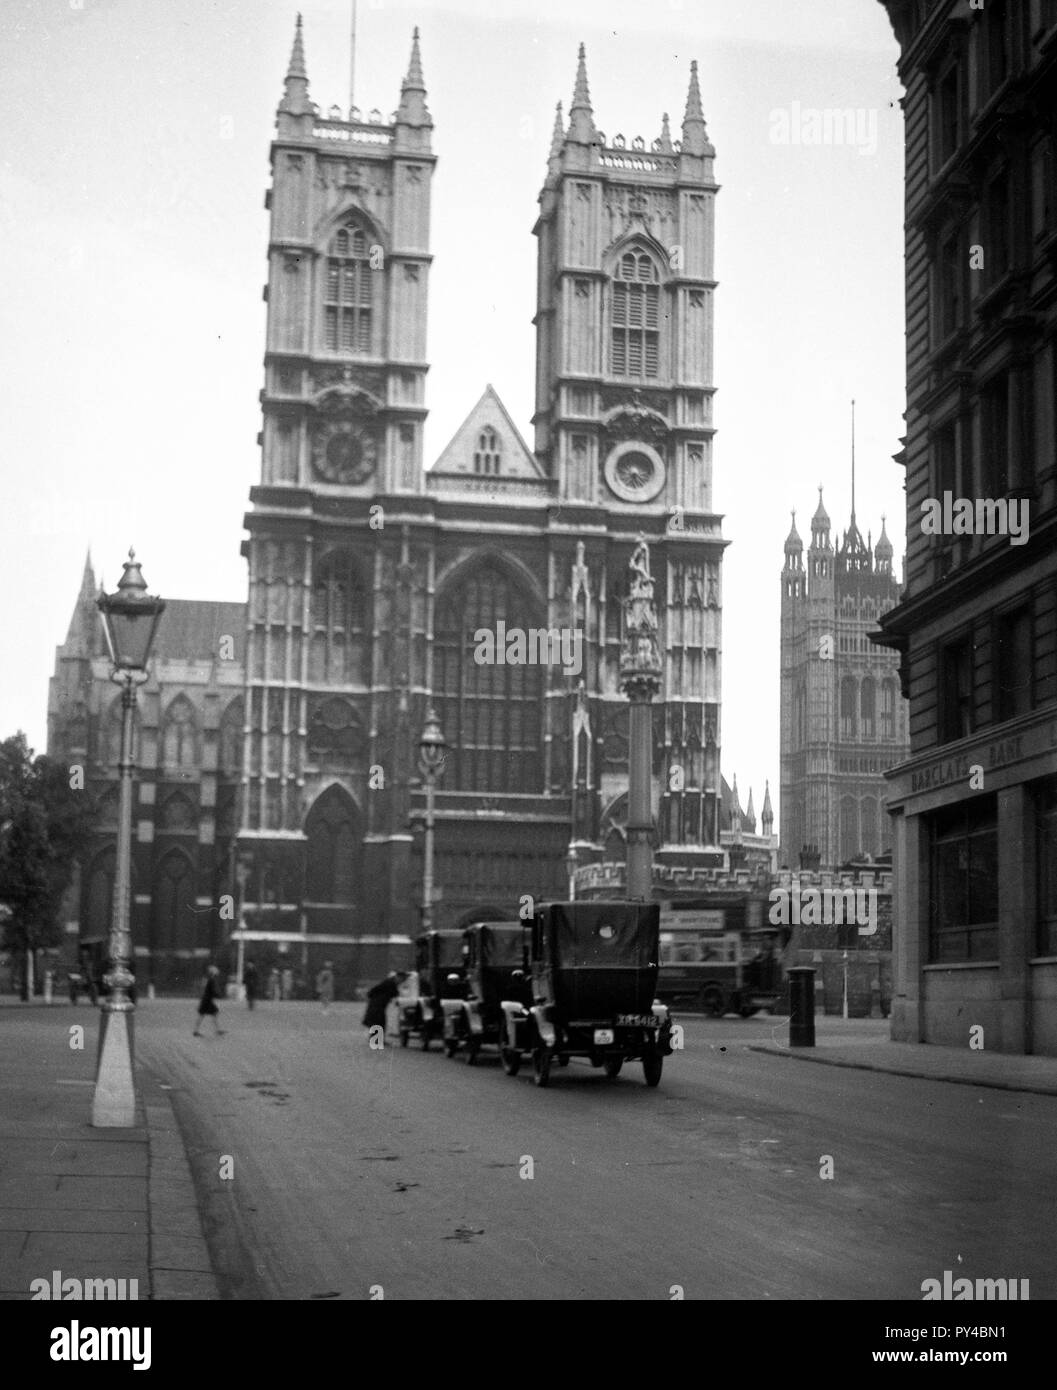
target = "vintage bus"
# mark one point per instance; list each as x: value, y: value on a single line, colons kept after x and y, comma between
x: 720, y: 958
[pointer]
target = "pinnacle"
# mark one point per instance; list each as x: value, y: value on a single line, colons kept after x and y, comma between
x: 581, y: 94
x: 558, y: 137
x: 694, y: 111
x: 414, y: 81
x: 297, y: 57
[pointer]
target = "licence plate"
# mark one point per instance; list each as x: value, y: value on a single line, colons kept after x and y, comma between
x: 638, y: 1020
x: 603, y: 1035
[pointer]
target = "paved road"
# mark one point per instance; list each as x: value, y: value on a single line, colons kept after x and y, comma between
x: 402, y: 1169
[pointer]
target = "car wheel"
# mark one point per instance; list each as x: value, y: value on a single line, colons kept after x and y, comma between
x: 405, y: 1037
x: 612, y: 1067
x: 427, y: 1037
x: 473, y: 1047
x: 563, y: 1059
x: 713, y: 1003
x: 747, y: 1011
x: 451, y: 1046
x: 541, y: 1065
x: 652, y: 1066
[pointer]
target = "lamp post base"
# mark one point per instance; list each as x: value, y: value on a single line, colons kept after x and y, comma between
x: 114, y: 1102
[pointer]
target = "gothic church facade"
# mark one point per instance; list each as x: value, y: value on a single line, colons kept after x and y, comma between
x: 370, y: 575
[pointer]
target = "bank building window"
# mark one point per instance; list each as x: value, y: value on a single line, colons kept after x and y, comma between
x: 1046, y: 859
x: 348, y: 293
x: 635, y: 325
x: 964, y: 924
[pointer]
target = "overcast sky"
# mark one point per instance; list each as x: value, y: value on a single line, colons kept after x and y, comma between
x: 133, y: 168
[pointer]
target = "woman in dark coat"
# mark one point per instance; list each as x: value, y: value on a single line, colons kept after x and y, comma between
x: 207, y: 1007
x: 379, y: 997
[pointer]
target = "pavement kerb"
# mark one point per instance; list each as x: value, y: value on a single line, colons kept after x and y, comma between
x: 179, y: 1262
x: 808, y: 1055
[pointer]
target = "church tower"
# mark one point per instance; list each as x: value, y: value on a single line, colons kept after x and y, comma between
x: 623, y: 430
x: 843, y: 719
x: 341, y: 453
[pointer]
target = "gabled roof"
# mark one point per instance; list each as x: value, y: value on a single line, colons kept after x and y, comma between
x: 516, y: 462
x: 191, y: 629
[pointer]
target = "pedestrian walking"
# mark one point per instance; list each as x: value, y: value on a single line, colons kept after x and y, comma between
x: 325, y: 984
x: 379, y: 997
x: 207, y: 1006
x: 250, y: 983
x: 274, y: 988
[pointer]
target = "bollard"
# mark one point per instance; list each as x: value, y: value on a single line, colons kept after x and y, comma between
x: 49, y: 981
x: 150, y: 991
x: 801, y: 1006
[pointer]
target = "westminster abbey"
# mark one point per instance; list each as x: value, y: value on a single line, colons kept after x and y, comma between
x: 279, y: 771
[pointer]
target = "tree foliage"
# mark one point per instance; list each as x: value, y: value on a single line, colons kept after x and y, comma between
x: 44, y: 827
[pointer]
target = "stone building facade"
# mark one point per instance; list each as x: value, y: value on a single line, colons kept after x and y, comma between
x: 370, y: 576
x: 844, y: 721
x: 975, y: 804
x: 188, y: 753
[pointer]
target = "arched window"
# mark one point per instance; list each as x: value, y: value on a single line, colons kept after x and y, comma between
x: 488, y: 452
x: 635, y: 315
x: 98, y: 896
x: 868, y: 708
x: 338, y: 621
x: 490, y: 712
x: 332, y: 872
x: 849, y: 828
x: 348, y: 293
x: 888, y: 709
x: 230, y: 741
x: 868, y: 838
x: 107, y: 808
x: 174, y: 922
x: 109, y: 742
x: 179, y: 735
x: 847, y: 707
x: 177, y: 812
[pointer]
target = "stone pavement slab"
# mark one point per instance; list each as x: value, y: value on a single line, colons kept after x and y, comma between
x: 81, y: 1202
x: 999, y: 1070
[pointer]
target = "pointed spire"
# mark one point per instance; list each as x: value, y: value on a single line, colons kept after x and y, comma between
x: 297, y: 56
x: 767, y: 814
x: 664, y: 144
x: 581, y: 119
x: 750, y: 814
x: 412, y: 109
x: 558, y: 137
x: 414, y: 81
x: 820, y: 521
x: 83, y: 620
x: 295, y: 100
x: 695, y: 136
x: 793, y: 544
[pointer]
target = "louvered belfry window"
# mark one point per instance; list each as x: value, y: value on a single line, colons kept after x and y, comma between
x: 348, y: 293
x: 636, y: 312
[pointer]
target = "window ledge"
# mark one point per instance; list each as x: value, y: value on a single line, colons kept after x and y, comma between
x: 1043, y: 960
x: 964, y: 965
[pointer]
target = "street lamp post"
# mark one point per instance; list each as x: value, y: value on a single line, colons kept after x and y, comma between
x: 640, y: 679
x: 431, y: 752
x: 130, y: 620
x: 570, y: 869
